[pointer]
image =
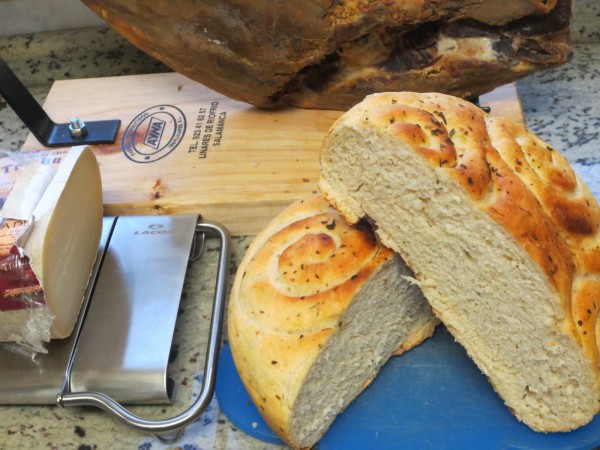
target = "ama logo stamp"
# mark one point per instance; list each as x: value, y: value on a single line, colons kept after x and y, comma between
x: 153, y: 133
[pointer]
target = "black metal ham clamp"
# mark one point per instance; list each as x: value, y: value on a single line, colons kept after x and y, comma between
x: 119, y: 351
x: 49, y: 133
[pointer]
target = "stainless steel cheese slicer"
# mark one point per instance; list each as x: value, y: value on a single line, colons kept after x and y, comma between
x: 120, y: 349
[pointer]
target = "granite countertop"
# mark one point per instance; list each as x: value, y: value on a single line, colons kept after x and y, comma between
x: 560, y: 105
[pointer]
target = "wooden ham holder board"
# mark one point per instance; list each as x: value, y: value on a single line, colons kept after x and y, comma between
x: 183, y: 148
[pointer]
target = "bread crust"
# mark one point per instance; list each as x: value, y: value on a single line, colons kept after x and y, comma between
x: 574, y: 211
x: 295, y: 281
x: 521, y: 182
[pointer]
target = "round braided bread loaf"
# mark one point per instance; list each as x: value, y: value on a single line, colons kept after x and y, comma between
x: 317, y: 307
x: 498, y: 229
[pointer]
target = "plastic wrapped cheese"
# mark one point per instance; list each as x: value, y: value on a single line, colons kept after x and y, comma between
x: 50, y: 231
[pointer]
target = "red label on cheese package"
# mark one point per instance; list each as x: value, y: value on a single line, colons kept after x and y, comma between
x: 19, y: 287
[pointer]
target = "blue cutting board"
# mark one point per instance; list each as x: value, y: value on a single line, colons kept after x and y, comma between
x: 432, y: 397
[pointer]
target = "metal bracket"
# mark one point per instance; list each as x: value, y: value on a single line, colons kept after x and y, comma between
x: 475, y: 101
x: 49, y: 133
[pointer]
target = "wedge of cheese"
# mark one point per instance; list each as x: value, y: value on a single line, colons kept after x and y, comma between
x: 60, y: 215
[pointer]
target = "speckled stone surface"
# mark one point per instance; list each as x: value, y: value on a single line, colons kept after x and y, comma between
x: 561, y: 105
x: 584, y: 28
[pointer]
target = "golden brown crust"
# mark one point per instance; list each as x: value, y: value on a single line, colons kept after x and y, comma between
x: 572, y: 208
x: 519, y: 180
x: 292, y: 286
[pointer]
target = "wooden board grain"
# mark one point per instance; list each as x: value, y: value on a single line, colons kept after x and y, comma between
x: 183, y: 148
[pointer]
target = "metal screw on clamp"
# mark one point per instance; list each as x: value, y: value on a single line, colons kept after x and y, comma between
x: 77, y: 127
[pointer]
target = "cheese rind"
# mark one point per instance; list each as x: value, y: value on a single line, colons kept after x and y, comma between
x: 66, y: 235
x: 66, y: 223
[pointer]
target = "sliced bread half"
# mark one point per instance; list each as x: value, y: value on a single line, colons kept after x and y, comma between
x: 317, y: 307
x: 502, y: 235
